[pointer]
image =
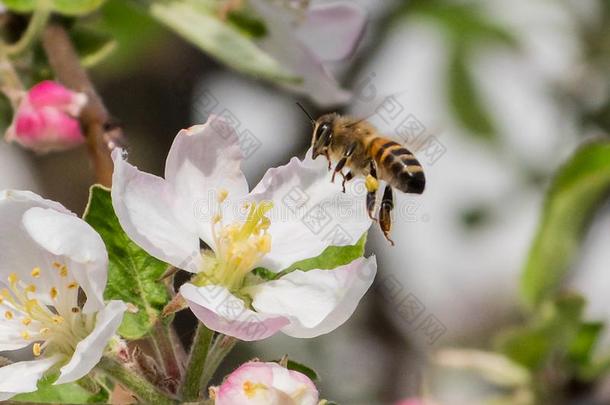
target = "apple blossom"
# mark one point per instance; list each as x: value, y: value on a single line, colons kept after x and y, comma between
x: 256, y: 383
x: 46, y: 120
x: 50, y: 256
x: 303, y: 40
x: 165, y: 218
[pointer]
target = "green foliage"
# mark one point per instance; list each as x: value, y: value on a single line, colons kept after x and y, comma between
x: 199, y: 23
x: 465, y: 100
x: 92, y: 46
x: 579, y: 187
x: 303, y: 369
x: 331, y: 257
x: 71, y: 393
x: 67, y: 7
x: 132, y: 274
x: 557, y: 337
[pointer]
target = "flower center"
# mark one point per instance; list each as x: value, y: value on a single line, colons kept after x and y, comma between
x: 239, y: 246
x: 51, y: 319
x: 250, y: 388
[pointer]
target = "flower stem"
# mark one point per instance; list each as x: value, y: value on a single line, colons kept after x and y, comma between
x: 10, y: 83
x: 165, y: 347
x: 219, y: 350
x: 146, y: 392
x: 94, y: 117
x: 36, y: 25
x: 196, y: 363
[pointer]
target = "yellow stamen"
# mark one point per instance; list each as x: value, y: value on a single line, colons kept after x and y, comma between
x: 222, y: 196
x: 250, y: 388
x: 75, y: 310
x: 30, y: 288
x: 36, y: 272
x: 8, y: 315
x: 12, y: 279
x: 25, y: 335
x: 37, y: 349
x: 53, y: 293
x: 72, y: 285
x: 63, y: 271
x: 57, y: 319
x: 44, y: 331
x: 57, y: 265
x: 26, y: 321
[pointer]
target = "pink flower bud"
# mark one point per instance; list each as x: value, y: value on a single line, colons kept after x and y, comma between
x: 265, y: 383
x: 46, y: 119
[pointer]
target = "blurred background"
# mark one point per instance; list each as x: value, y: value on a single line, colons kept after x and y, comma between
x: 492, y: 95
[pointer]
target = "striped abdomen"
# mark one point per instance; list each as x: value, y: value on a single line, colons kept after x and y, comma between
x: 397, y: 166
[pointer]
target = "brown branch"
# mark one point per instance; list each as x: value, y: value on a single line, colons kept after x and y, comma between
x: 65, y: 63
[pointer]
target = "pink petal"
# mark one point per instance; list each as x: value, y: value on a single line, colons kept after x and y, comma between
x: 276, y: 385
x: 52, y: 94
x: 332, y: 31
x: 222, y: 312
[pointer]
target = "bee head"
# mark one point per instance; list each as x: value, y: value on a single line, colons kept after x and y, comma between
x: 322, y: 135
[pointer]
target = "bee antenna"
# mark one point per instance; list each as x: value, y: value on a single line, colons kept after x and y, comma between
x: 306, y: 113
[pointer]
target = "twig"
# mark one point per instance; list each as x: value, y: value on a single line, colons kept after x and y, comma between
x: 94, y: 117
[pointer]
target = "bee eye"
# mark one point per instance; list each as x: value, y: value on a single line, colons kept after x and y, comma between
x: 323, y: 132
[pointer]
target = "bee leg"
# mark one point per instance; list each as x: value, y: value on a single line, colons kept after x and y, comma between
x: 346, y: 178
x: 338, y: 168
x: 329, y: 161
x: 372, y: 185
x: 385, y: 217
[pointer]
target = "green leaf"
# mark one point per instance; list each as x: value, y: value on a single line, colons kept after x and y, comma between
x: 303, y: 369
x: 578, y: 189
x: 76, y: 7
x: 133, y: 274
x: 581, y: 348
x: 91, y: 46
x: 200, y: 25
x: 465, y: 100
x: 71, y: 393
x: 331, y: 257
x: 20, y: 5
x: 465, y: 23
x: 553, y: 332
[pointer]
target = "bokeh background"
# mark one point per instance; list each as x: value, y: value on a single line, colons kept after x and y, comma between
x: 508, y: 89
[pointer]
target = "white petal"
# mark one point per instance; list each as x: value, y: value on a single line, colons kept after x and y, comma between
x: 309, y: 212
x: 282, y: 43
x: 316, y: 301
x: 89, y: 351
x: 23, y: 376
x: 72, y: 238
x: 19, y: 253
x: 206, y: 158
x: 333, y: 30
x: 148, y: 210
x: 222, y: 312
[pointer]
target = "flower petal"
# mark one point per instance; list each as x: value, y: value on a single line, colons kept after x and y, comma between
x: 309, y: 212
x: 316, y: 301
x: 333, y: 30
x: 222, y: 312
x: 286, y: 48
x: 147, y: 208
x: 202, y: 161
x: 89, y: 350
x: 23, y: 376
x: 19, y: 253
x: 281, y: 386
x: 70, y: 237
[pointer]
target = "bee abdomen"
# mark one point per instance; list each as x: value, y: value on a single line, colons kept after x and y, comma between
x: 400, y: 167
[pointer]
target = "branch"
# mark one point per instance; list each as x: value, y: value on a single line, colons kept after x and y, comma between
x: 94, y: 117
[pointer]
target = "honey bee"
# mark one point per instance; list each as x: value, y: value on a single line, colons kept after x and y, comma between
x: 356, y: 146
